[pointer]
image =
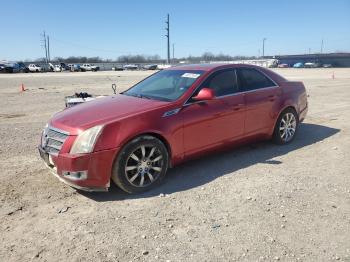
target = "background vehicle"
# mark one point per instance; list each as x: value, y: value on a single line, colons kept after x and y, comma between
x: 2, y: 67
x: 117, y: 68
x: 311, y: 65
x: 74, y: 67
x: 57, y: 68
x: 15, y: 68
x: 34, y: 68
x: 64, y: 66
x: 23, y: 68
x: 150, y: 67
x: 298, y: 65
x: 173, y: 115
x: 283, y: 66
x: 89, y: 67
x: 130, y: 67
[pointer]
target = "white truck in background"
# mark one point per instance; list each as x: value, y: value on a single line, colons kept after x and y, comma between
x: 34, y: 68
x: 89, y: 67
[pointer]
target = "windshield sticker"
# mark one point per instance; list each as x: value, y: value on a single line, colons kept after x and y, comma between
x: 190, y: 75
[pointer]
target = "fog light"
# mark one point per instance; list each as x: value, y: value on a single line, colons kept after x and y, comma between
x: 75, y: 175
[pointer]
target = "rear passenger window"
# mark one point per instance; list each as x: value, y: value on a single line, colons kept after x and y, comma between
x: 222, y: 82
x: 251, y: 79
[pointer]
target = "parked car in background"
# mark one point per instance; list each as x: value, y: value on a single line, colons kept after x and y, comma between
x: 173, y: 115
x: 130, y: 67
x: 74, y: 67
x: 23, y: 68
x: 57, y: 68
x: 150, y: 67
x: 89, y: 67
x: 283, y: 66
x: 327, y: 65
x: 34, y: 68
x: 15, y: 68
x: 2, y: 68
x: 298, y: 65
x: 311, y: 65
x: 64, y: 66
x: 117, y: 68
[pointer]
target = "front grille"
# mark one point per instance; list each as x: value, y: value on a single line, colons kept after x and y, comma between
x: 53, y: 139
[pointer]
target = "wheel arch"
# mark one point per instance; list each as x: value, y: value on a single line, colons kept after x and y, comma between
x: 285, y: 107
x: 153, y: 134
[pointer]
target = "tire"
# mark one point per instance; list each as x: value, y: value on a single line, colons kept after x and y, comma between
x: 141, y: 165
x: 286, y: 127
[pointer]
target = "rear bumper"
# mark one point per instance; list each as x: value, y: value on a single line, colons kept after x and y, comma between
x: 96, y: 167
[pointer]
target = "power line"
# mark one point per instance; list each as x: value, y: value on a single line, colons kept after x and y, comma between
x: 120, y: 52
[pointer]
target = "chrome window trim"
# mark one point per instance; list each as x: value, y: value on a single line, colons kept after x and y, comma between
x: 237, y: 93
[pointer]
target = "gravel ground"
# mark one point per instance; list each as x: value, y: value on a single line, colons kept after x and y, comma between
x: 259, y: 202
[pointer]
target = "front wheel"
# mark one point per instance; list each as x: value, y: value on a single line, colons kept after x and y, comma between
x: 141, y: 165
x: 286, y: 127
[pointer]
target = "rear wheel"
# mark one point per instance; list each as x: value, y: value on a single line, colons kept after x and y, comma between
x: 141, y: 165
x: 286, y: 127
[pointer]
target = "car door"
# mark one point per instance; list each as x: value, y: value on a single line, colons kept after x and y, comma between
x: 214, y: 122
x: 262, y: 97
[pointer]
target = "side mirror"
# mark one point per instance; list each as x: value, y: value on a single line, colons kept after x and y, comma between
x: 204, y: 94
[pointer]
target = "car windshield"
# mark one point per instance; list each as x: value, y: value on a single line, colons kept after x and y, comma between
x: 167, y: 85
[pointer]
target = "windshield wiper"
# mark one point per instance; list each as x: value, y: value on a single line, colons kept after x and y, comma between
x: 138, y: 95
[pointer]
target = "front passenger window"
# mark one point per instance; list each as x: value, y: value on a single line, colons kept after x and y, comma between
x: 222, y: 82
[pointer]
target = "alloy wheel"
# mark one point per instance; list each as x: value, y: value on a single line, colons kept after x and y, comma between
x: 144, y: 165
x: 287, y: 127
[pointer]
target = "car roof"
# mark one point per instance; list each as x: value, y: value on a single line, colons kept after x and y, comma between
x: 208, y: 67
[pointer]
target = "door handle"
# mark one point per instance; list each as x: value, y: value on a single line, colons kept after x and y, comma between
x: 272, y: 97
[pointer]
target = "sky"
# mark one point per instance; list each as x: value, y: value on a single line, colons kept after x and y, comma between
x: 110, y: 29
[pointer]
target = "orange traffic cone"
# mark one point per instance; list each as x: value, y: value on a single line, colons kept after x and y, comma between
x: 22, y: 88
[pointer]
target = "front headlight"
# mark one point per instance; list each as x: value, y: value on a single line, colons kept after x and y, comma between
x: 85, y: 142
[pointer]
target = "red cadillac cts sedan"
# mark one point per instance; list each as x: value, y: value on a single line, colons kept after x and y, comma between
x: 179, y: 113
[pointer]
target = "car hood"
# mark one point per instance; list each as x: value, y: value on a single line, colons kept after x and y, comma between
x: 102, y: 111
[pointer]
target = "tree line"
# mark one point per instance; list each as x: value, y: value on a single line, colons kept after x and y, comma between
x: 205, y: 57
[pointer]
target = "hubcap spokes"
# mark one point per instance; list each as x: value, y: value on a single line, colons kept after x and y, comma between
x: 287, y: 127
x: 144, y: 166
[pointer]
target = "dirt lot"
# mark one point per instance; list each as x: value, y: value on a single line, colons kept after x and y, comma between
x: 259, y: 202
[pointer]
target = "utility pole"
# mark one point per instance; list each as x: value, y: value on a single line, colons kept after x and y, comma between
x: 48, y: 48
x: 322, y: 46
x: 263, y: 47
x: 43, y: 41
x: 168, y: 38
x: 309, y: 50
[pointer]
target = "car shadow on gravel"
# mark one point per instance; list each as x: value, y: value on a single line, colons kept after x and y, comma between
x: 199, y: 172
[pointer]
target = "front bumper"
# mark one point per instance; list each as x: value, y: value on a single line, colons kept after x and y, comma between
x: 96, y: 167
x: 303, y: 113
